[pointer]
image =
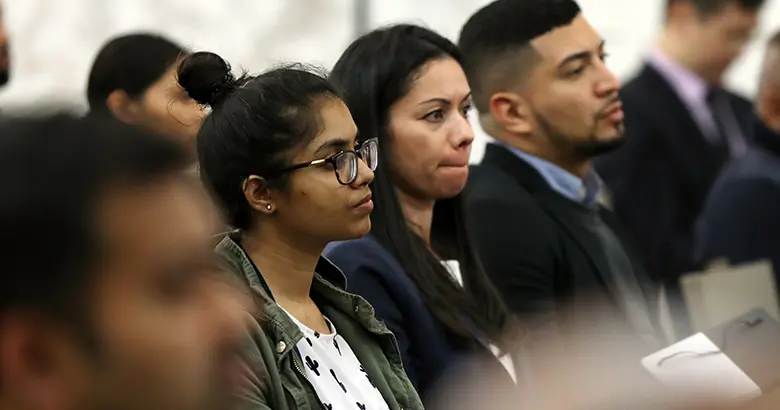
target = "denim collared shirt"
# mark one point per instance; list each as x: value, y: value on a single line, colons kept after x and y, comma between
x: 588, y: 191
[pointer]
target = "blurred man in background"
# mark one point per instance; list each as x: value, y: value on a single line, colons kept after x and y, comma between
x: 681, y: 128
x: 106, y: 297
x: 5, y: 55
x: 741, y: 218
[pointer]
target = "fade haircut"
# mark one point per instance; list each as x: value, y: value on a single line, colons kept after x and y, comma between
x: 707, y: 8
x: 496, y: 42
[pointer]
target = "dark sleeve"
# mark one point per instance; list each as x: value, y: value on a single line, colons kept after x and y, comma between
x: 742, y: 223
x: 367, y: 283
x: 517, y: 253
x: 645, y: 195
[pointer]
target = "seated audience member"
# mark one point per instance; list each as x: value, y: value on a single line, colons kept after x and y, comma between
x: 543, y: 91
x: 106, y: 298
x: 281, y: 154
x: 405, y: 86
x: 5, y: 55
x: 133, y: 79
x: 740, y: 220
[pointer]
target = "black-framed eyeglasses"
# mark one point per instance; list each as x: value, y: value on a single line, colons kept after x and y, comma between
x: 345, y: 163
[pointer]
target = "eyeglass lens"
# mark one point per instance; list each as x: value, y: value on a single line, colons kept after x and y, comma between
x: 347, y: 165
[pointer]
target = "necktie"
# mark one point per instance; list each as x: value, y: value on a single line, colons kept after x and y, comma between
x: 729, y: 133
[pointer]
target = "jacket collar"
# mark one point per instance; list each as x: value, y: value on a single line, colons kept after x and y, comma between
x: 325, y: 272
x: 327, y: 290
x: 525, y: 174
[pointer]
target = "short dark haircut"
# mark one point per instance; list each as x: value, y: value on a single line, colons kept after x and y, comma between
x: 496, y: 35
x: 255, y: 123
x: 53, y: 171
x: 131, y: 63
x: 376, y: 71
x: 706, y: 8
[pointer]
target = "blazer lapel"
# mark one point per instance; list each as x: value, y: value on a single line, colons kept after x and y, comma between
x: 560, y: 209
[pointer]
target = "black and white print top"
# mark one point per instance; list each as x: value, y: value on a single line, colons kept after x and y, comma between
x: 335, y: 372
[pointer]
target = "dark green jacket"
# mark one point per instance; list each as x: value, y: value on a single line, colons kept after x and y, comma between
x: 276, y: 378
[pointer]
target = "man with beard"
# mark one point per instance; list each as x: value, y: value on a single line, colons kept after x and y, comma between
x: 543, y: 91
x: 5, y: 57
x: 107, y: 299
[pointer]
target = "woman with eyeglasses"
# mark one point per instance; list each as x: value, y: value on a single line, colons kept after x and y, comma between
x: 404, y: 84
x: 281, y: 154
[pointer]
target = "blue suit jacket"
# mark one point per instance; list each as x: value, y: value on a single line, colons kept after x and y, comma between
x: 375, y: 274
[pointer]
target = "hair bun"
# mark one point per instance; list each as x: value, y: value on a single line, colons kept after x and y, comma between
x: 206, y: 77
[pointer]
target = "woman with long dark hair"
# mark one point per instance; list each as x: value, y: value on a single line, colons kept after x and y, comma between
x: 281, y: 154
x: 404, y: 85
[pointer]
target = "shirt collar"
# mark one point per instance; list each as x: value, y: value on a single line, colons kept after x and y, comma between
x: 691, y: 88
x: 588, y: 191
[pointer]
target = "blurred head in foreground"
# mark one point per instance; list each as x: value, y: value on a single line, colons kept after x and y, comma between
x: 5, y: 56
x: 133, y: 79
x: 106, y: 297
x: 768, y: 98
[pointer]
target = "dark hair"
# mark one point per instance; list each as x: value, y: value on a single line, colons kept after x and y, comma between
x: 375, y: 71
x: 254, y: 123
x: 130, y: 63
x: 706, y: 8
x: 53, y: 171
x: 496, y: 35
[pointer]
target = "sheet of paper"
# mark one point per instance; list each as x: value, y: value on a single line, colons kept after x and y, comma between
x: 695, y: 366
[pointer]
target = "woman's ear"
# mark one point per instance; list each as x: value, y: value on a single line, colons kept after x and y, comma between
x: 258, y: 195
x: 122, y: 107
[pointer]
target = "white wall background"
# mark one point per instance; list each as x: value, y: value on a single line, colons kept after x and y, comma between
x: 54, y: 41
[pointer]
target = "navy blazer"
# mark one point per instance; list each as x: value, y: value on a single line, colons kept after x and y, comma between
x: 661, y: 176
x: 741, y: 217
x: 375, y: 274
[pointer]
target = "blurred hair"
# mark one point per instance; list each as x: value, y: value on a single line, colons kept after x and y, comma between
x: 131, y: 63
x: 707, y: 8
x: 255, y: 123
x: 495, y: 42
x: 375, y: 71
x: 54, y: 170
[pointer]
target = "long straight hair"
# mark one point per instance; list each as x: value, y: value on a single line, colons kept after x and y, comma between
x: 375, y: 71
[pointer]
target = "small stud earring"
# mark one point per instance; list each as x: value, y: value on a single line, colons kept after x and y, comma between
x: 268, y: 207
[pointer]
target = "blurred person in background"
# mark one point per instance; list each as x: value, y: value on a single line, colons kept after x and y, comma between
x: 682, y: 126
x: 405, y: 86
x: 106, y: 297
x: 133, y: 79
x: 543, y: 91
x: 281, y: 154
x: 740, y: 220
x: 5, y: 54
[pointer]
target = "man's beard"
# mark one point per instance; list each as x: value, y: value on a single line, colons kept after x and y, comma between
x: 5, y: 75
x: 581, y: 150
